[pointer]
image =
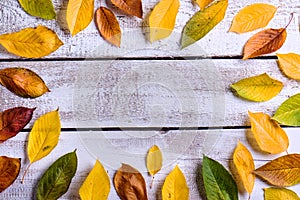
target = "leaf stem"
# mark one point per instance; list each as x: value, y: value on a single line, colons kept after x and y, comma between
x: 26, y: 170
x: 287, y: 153
x: 292, y: 16
x: 249, y: 196
x: 152, y: 181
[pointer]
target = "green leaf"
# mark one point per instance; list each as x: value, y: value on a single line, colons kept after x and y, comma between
x: 258, y: 88
x: 203, y: 22
x: 56, y: 180
x: 288, y: 112
x: 39, y: 8
x: 218, y: 182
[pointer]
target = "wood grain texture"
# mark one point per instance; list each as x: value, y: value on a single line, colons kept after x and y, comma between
x: 188, y: 160
x: 88, y: 44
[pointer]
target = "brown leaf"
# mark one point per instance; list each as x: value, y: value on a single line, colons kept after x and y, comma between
x: 264, y: 42
x: 130, y: 184
x: 13, y: 120
x: 23, y: 82
x: 131, y: 7
x: 108, y: 26
x: 9, y: 170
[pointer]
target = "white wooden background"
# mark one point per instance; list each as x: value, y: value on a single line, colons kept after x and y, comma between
x: 152, y: 86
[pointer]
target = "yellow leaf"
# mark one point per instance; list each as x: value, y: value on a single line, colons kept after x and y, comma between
x: 79, y: 15
x: 31, y: 42
x: 154, y: 160
x: 280, y: 193
x: 162, y: 19
x: 252, y: 17
x: 269, y: 135
x: 244, y: 163
x: 290, y: 65
x: 203, y: 3
x: 44, y: 136
x: 97, y: 185
x: 175, y: 186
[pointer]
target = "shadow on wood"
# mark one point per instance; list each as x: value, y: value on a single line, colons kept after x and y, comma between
x: 199, y: 182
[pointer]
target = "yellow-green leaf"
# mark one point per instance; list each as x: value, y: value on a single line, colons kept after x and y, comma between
x: 244, y: 163
x: 96, y: 185
x: 269, y: 136
x: 39, y: 8
x: 31, y: 42
x: 252, y: 17
x: 203, y: 22
x: 175, y: 186
x: 203, y: 3
x: 283, y: 171
x: 79, y: 15
x: 290, y: 65
x: 280, y: 194
x: 154, y: 160
x: 44, y: 136
x: 162, y: 19
x: 258, y: 88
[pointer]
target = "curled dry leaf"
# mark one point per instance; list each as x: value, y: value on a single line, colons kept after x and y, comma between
x: 13, y: 120
x: 252, y: 17
x: 175, y: 186
x: 131, y: 7
x: 258, y: 88
x: 162, y: 19
x: 31, y: 42
x: 203, y: 22
x: 57, y: 179
x: 270, y: 137
x: 23, y: 82
x: 39, y: 8
x: 280, y: 193
x: 244, y: 163
x: 96, y: 185
x: 108, y: 26
x: 154, y: 160
x: 79, y: 15
x: 283, y: 171
x: 203, y: 3
x: 9, y: 170
x: 129, y: 183
x: 290, y: 65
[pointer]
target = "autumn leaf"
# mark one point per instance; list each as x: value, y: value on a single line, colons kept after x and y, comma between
x: 131, y: 7
x: 39, y: 8
x: 244, y: 163
x: 289, y: 111
x: 31, y: 42
x: 203, y: 22
x: 23, y: 82
x: 270, y: 137
x: 9, y: 171
x: 162, y: 19
x: 79, y: 15
x: 290, y: 65
x: 129, y: 183
x: 108, y: 26
x: 283, y: 171
x: 252, y: 17
x: 203, y: 3
x: 154, y: 160
x: 96, y: 185
x: 13, y: 120
x: 57, y: 179
x: 280, y: 193
x: 175, y: 186
x: 258, y: 88
x: 218, y: 182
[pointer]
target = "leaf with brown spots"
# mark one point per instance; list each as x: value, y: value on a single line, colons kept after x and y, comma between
x: 131, y: 7
x: 9, y: 171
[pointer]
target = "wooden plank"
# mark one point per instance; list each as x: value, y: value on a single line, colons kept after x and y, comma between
x: 88, y: 44
x: 189, y: 160
x: 156, y: 93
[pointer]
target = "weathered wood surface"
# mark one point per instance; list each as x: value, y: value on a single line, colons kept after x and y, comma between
x: 131, y: 147
x: 88, y: 44
x: 177, y: 93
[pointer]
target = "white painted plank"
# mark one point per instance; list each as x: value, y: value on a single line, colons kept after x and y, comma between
x: 88, y: 44
x: 134, y: 154
x: 118, y: 93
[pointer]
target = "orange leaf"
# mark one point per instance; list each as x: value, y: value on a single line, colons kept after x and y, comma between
x: 108, y: 26
x: 269, y: 135
x: 283, y: 171
x: 131, y: 7
x: 9, y: 170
